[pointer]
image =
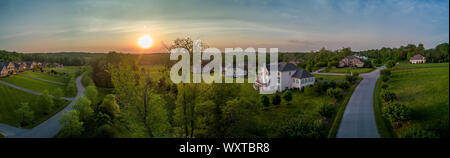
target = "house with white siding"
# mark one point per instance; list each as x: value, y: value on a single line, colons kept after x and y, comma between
x: 289, y: 76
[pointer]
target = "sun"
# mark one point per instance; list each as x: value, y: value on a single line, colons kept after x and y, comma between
x: 145, y: 41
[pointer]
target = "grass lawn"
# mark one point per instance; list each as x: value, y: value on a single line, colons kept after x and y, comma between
x: 46, y: 76
x: 426, y: 92
x: 330, y: 77
x: 33, y: 84
x: 2, y: 136
x: 10, y: 99
x: 349, y: 70
x: 429, y: 65
x: 70, y: 71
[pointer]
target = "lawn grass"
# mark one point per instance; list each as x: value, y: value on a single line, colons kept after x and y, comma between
x: 46, y: 76
x: 330, y: 77
x: 67, y: 71
x: 349, y: 70
x: 426, y: 92
x: 11, y: 98
x: 33, y: 84
x: 2, y: 136
x: 427, y: 65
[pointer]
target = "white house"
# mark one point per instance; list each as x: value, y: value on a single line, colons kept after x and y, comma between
x: 289, y: 76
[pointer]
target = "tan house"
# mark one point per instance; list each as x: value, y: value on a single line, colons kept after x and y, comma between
x: 417, y: 59
x: 6, y: 68
x: 351, y: 61
x: 30, y: 65
x: 20, y: 66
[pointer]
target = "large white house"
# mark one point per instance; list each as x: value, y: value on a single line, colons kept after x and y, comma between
x: 289, y: 76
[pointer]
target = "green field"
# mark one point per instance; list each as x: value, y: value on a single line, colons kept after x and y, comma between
x: 349, y: 70
x: 46, y: 76
x: 429, y: 65
x: 67, y: 71
x: 32, y: 84
x: 10, y: 99
x: 330, y: 77
x: 426, y: 92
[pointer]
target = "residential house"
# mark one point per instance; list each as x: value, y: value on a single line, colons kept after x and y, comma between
x: 30, y: 65
x: 6, y: 68
x: 351, y: 61
x: 289, y: 76
x: 417, y: 59
x: 20, y: 66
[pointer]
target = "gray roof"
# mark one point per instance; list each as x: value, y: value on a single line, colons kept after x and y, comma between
x: 302, y: 73
x: 417, y: 57
x: 284, y: 67
x: 3, y: 64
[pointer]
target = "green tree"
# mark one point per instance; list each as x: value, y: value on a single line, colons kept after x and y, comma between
x: 110, y: 106
x: 298, y: 127
x: 24, y: 114
x: 351, y: 79
x: 396, y: 112
x: 91, y: 93
x: 71, y: 125
x: 335, y: 93
x: 58, y: 93
x: 390, y: 64
x: 83, y: 106
x: 45, y: 102
x: 327, y: 111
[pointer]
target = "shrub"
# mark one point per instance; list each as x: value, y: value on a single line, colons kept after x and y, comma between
x: 385, y: 72
x: 334, y: 93
x: 388, y: 96
x: 396, y: 112
x: 412, y: 132
x: 384, y: 86
x: 327, y: 110
x: 385, y: 78
x: 287, y: 95
x: 302, y: 128
x: 344, y: 85
x: 390, y: 64
x: 276, y: 100
x: 351, y: 79
x: 265, y: 101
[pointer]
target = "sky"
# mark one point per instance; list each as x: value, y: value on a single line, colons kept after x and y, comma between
x: 289, y: 25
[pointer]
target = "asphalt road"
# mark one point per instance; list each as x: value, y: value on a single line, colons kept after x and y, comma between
x: 46, y: 129
x: 359, y: 119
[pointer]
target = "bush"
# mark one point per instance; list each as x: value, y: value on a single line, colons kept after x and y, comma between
x: 335, y: 93
x: 396, y: 112
x: 302, y: 128
x: 265, y: 101
x: 412, y: 132
x: 385, y: 72
x: 276, y: 100
x: 351, y: 79
x: 388, y: 96
x: 287, y: 95
x: 390, y: 64
x: 384, y: 78
x: 327, y: 110
x: 384, y: 86
x: 343, y: 85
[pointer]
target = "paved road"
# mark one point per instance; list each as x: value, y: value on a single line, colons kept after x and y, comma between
x: 37, y: 78
x: 29, y: 91
x: 359, y: 119
x: 46, y: 129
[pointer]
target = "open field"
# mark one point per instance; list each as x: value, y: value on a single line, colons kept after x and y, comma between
x: 429, y: 65
x: 45, y: 76
x: 330, y: 77
x: 33, y: 84
x: 70, y: 71
x: 11, y: 98
x: 425, y: 91
x: 349, y: 70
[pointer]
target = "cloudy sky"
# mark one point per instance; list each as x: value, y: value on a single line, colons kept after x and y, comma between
x: 105, y: 25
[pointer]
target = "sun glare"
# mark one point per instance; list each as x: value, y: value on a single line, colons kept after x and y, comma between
x: 145, y: 41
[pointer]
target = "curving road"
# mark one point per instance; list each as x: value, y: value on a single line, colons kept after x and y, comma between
x: 358, y: 120
x: 46, y: 129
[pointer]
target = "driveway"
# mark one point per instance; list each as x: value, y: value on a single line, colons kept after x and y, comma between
x: 46, y: 129
x: 358, y: 120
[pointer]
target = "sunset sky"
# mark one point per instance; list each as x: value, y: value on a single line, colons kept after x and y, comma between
x: 105, y: 25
